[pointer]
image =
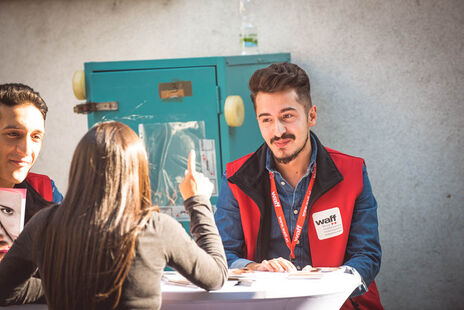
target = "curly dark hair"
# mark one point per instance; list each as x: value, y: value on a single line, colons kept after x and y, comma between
x: 280, y: 77
x: 12, y: 94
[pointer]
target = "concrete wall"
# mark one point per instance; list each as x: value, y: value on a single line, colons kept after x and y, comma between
x: 387, y: 77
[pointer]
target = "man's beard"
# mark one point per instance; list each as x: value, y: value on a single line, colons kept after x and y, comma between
x: 287, y: 159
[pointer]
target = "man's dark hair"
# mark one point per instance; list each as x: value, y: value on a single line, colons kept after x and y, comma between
x: 15, y: 94
x: 281, y: 77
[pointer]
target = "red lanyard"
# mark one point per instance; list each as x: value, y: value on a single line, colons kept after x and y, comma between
x: 301, y: 217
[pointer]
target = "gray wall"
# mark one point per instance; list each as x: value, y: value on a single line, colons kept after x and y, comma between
x: 387, y: 77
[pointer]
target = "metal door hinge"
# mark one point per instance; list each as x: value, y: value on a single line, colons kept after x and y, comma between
x: 90, y: 107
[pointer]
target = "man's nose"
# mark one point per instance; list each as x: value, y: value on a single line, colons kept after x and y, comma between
x: 24, y: 146
x: 279, y: 129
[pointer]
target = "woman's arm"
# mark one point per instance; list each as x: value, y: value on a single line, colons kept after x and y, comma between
x: 203, y: 262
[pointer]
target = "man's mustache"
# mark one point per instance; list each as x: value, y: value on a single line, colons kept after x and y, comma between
x: 284, y: 136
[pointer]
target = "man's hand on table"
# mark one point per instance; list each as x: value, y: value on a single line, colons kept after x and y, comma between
x: 307, y: 268
x: 273, y: 265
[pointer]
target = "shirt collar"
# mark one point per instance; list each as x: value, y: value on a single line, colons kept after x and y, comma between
x: 270, y: 165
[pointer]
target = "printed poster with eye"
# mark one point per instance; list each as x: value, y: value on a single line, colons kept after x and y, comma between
x: 12, y: 211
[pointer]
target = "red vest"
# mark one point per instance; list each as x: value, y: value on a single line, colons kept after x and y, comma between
x: 42, y: 184
x: 328, y: 252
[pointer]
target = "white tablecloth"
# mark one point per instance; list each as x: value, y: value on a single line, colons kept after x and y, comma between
x: 270, y: 292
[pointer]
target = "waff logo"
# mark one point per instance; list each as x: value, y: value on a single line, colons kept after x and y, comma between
x: 330, y: 219
x: 328, y: 223
x: 275, y: 199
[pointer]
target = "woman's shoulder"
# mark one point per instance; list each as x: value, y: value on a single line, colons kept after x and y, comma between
x: 159, y: 233
x: 42, y: 217
x: 160, y: 222
x: 34, y: 229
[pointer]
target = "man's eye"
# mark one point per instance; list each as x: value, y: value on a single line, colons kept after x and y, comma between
x: 37, y: 137
x: 12, y: 134
x: 6, y: 210
x: 287, y: 116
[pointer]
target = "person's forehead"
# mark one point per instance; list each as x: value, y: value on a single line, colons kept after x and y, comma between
x: 23, y: 116
x: 278, y: 102
x: 10, y: 200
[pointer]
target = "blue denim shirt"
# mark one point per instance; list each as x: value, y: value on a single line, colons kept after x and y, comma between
x: 363, y: 249
x: 57, y: 197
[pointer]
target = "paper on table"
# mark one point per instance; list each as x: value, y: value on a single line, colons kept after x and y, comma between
x: 175, y: 278
x: 313, y: 273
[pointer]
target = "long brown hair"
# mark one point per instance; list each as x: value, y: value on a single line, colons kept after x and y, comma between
x: 90, y: 240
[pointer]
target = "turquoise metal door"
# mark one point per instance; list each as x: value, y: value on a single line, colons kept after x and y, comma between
x: 137, y: 93
x: 165, y: 95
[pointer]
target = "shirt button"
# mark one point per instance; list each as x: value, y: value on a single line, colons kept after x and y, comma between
x: 295, y: 211
x: 298, y: 267
x: 283, y: 183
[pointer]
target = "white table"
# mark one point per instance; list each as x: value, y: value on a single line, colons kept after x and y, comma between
x: 269, y: 292
x: 272, y: 292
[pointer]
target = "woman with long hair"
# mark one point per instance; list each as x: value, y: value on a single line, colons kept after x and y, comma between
x: 106, y: 246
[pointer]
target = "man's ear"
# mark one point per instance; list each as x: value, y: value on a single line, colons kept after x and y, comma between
x: 312, y: 116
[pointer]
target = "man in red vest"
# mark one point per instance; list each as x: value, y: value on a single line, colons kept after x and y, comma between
x: 22, y: 128
x: 295, y: 203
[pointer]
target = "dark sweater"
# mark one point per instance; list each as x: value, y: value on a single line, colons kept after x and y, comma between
x: 162, y: 242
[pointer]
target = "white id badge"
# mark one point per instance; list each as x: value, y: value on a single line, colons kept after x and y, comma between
x: 328, y: 223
